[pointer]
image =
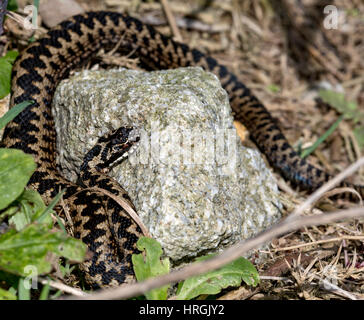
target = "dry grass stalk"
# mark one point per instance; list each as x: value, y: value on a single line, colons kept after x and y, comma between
x: 171, y: 20
x: 124, y: 204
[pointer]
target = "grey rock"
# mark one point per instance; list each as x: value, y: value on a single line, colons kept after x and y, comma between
x: 193, y: 197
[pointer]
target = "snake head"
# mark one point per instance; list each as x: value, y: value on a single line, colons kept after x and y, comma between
x: 117, y: 145
x: 111, y: 149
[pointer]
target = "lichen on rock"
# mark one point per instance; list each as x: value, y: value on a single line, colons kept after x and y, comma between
x: 194, y: 185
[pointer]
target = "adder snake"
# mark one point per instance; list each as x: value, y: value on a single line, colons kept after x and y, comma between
x: 107, y: 229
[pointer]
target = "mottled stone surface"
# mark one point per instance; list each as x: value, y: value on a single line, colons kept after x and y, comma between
x: 194, y: 185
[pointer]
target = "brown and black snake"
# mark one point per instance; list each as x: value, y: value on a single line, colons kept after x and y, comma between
x: 99, y: 222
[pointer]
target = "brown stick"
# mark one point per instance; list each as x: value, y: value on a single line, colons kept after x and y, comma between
x: 124, y: 205
x: 326, y: 187
x: 319, y: 242
x: 171, y: 20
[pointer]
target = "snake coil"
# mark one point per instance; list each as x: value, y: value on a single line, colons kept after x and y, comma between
x: 107, y: 229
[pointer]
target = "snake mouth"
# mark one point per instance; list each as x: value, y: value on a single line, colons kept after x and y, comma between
x: 130, y: 145
x: 124, y: 150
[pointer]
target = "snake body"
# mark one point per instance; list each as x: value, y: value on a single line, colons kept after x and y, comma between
x: 112, y: 236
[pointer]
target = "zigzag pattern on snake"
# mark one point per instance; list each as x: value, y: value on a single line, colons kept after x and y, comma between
x: 98, y: 221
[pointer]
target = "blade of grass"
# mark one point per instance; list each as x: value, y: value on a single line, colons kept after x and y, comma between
x: 61, y: 225
x: 50, y: 207
x: 311, y: 149
x: 44, y: 295
x: 23, y: 293
x: 35, y: 17
x: 13, y: 112
x: 56, y: 295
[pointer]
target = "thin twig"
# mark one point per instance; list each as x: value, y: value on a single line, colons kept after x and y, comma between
x: 16, y: 17
x: 275, y: 278
x: 171, y: 20
x: 331, y: 287
x: 186, y: 23
x: 326, y: 187
x: 319, y: 242
x: 63, y: 287
x: 337, y: 290
x: 125, y: 205
x: 342, y: 190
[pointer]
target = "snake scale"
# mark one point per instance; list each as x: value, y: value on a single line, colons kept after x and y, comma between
x: 98, y: 221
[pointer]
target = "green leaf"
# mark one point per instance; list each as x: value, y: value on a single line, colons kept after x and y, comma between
x: 274, y: 88
x: 31, y: 247
x: 337, y: 100
x: 16, y: 168
x: 71, y: 249
x: 151, y: 265
x: 12, y: 5
x: 13, y: 112
x: 8, y: 212
x: 36, y: 207
x: 7, y: 295
x: 213, y: 282
x: 20, y: 219
x: 5, y: 78
x: 44, y: 295
x: 5, y: 72
x: 30, y: 207
x: 66, y: 269
x: 45, y: 215
x: 23, y: 291
x: 10, y: 56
